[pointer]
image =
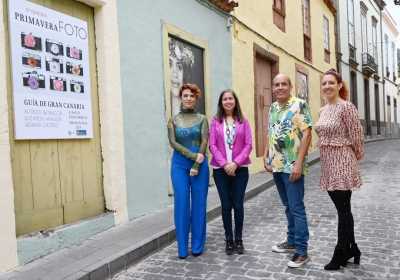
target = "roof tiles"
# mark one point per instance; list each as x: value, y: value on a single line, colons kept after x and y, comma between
x: 225, y: 5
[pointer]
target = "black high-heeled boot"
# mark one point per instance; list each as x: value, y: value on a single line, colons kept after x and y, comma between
x: 338, y: 259
x: 239, y: 247
x: 230, y: 247
x: 353, y: 251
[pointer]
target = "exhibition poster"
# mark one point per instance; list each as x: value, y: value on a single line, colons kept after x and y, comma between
x: 50, y: 73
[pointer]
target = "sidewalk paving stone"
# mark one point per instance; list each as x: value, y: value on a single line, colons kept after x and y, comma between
x: 376, y: 210
x: 106, y: 254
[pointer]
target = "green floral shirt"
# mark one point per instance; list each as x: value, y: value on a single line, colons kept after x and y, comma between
x: 285, y: 131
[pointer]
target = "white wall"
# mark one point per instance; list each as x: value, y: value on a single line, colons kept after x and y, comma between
x: 373, y: 10
x: 391, y: 88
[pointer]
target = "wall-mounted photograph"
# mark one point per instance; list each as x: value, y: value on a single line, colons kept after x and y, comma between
x: 302, y: 85
x: 186, y: 65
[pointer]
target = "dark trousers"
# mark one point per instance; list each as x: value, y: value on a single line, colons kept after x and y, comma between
x: 342, y: 201
x: 231, y: 190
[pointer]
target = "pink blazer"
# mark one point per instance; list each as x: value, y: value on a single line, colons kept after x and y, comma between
x: 242, y: 143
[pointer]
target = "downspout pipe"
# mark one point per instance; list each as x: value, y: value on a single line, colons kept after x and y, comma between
x: 337, y: 38
x: 383, y: 71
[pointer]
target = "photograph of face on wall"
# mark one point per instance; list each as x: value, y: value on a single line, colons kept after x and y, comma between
x: 186, y: 66
x: 302, y: 85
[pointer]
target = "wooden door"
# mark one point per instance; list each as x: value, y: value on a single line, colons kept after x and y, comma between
x: 395, y: 124
x: 58, y: 181
x: 377, y: 110
x: 353, y: 88
x: 388, y: 115
x: 262, y: 101
x: 367, y: 107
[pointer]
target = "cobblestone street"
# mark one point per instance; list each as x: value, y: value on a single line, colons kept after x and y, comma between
x: 376, y: 210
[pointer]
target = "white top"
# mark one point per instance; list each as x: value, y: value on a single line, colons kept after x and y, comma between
x: 229, y: 134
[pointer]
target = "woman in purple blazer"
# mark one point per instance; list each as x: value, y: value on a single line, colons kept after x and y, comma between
x: 230, y: 145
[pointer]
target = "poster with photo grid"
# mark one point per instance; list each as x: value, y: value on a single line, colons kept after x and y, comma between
x: 50, y: 73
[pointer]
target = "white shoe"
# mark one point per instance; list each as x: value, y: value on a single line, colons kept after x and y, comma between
x: 283, y: 247
x: 298, y: 261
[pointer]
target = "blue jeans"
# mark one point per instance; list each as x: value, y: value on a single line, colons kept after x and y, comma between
x: 292, y: 197
x: 231, y: 190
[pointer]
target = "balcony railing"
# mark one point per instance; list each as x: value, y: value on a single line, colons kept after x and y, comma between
x: 369, y: 67
x: 352, y: 55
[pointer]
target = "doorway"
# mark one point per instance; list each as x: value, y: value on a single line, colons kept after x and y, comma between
x: 377, y: 110
x: 388, y: 115
x: 367, y: 107
x: 353, y: 88
x: 265, y: 69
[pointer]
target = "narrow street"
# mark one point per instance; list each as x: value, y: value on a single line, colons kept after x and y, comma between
x: 376, y: 210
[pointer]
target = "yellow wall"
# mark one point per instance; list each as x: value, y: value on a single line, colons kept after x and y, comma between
x: 254, y: 24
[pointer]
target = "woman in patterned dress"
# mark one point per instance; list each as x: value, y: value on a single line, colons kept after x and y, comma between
x: 341, y: 146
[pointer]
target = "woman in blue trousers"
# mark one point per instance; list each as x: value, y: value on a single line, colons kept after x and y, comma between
x: 188, y: 136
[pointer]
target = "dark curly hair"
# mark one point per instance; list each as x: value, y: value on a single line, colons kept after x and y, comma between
x: 192, y: 87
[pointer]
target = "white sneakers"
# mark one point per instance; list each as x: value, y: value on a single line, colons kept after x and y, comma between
x: 297, y: 260
x: 283, y: 247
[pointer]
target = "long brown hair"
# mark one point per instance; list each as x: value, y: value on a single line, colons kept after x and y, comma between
x: 343, y: 91
x: 237, y: 112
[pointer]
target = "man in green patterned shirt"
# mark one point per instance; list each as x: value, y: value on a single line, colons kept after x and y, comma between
x: 289, y: 137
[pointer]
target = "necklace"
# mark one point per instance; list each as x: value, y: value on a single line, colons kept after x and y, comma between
x: 230, y: 133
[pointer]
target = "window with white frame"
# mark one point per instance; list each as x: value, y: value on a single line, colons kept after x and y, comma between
x: 398, y: 62
x: 350, y: 10
x: 326, y: 40
x: 393, y: 60
x: 326, y: 33
x: 387, y: 55
x: 364, y: 32
x: 375, y: 39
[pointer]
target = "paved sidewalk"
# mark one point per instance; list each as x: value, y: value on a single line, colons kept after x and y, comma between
x: 109, y: 252
x: 376, y: 209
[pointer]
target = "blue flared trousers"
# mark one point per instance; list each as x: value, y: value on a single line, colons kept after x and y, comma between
x: 190, y: 204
